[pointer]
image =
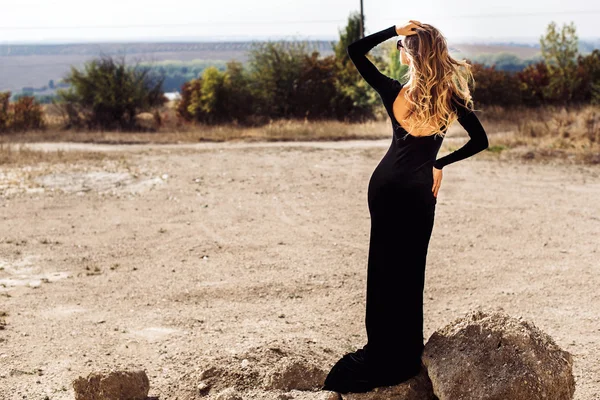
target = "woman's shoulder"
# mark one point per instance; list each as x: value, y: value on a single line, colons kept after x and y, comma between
x: 395, y: 88
x: 390, y: 91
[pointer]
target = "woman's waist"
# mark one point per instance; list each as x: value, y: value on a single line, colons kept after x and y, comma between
x: 406, y: 177
x: 407, y: 167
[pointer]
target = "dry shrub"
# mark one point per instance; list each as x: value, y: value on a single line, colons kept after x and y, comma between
x: 591, y: 121
x: 25, y: 114
x: 558, y: 132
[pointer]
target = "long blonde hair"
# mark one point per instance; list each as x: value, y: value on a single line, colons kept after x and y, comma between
x: 437, y: 80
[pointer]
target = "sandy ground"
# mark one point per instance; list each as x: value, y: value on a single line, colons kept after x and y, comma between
x: 192, y: 256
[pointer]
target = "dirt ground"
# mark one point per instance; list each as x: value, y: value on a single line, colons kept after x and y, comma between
x: 179, y: 258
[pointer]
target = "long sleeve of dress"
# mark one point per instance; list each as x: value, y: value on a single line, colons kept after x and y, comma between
x: 478, y: 138
x: 357, y: 51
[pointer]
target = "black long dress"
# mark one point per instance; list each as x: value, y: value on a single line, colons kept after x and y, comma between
x: 402, y: 207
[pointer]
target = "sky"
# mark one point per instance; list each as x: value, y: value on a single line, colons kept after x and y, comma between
x: 67, y: 21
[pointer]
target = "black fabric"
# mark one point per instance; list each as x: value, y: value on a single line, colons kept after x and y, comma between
x: 402, y: 209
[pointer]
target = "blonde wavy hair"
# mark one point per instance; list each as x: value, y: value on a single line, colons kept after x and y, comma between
x: 437, y: 80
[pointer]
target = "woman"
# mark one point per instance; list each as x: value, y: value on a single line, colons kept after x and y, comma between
x: 402, y: 196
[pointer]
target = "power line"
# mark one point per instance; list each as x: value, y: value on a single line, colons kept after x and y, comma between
x: 278, y: 22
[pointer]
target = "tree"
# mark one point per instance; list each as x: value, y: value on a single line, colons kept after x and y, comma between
x: 559, y: 51
x: 493, y: 86
x: 398, y: 70
x: 109, y: 94
x: 276, y: 69
x: 350, y: 34
x: 589, y: 70
x: 354, y: 100
x: 532, y: 80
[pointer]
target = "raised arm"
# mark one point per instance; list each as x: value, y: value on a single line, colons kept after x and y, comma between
x: 357, y: 51
x: 478, y: 138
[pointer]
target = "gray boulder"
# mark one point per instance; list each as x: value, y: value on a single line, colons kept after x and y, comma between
x: 492, y: 356
x: 112, y: 385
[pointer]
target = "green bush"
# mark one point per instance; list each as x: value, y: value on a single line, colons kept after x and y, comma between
x: 108, y: 95
x: 217, y: 96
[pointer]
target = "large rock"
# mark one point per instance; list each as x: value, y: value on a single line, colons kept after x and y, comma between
x: 493, y: 356
x: 112, y: 385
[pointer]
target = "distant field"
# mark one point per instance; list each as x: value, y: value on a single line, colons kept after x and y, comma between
x: 37, y: 70
x: 524, y: 52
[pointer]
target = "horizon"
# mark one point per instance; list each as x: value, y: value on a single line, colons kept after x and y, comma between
x: 516, y: 40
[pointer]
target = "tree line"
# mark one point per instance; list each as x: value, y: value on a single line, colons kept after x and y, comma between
x: 284, y: 80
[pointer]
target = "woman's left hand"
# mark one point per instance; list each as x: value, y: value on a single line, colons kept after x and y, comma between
x: 408, y: 28
x: 437, y: 181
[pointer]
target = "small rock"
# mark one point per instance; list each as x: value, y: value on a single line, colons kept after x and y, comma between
x: 229, y: 394
x: 209, y: 372
x: 203, y: 388
x: 131, y: 385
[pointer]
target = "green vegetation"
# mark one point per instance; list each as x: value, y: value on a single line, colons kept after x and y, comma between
x: 282, y: 81
x: 177, y: 73
x: 496, y: 148
x: 109, y: 94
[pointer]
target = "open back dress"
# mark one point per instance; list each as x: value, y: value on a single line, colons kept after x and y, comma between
x: 402, y: 207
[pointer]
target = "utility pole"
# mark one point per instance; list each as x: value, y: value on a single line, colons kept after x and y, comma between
x: 362, y: 21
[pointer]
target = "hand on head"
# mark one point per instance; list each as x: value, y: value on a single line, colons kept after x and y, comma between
x: 408, y: 28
